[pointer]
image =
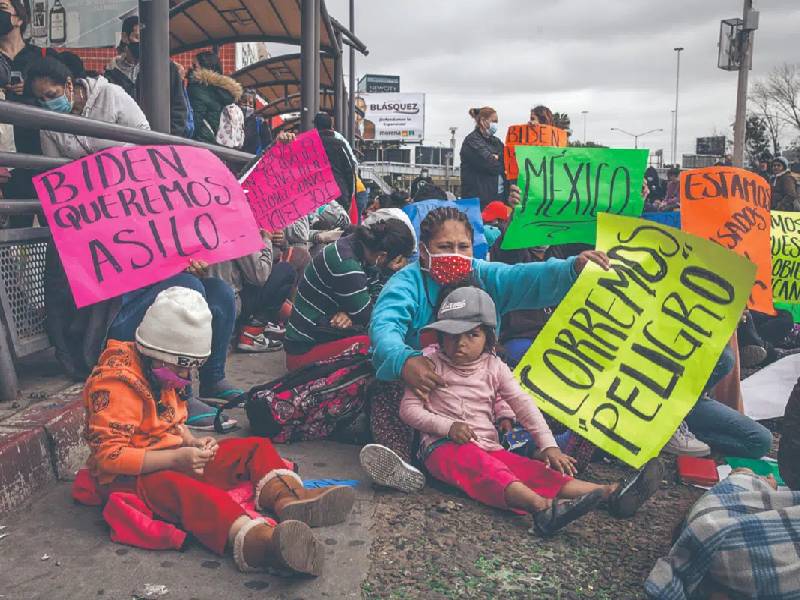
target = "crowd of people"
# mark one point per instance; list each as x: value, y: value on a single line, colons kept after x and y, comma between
x: 442, y: 330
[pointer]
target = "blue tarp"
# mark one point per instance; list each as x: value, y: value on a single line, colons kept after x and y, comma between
x: 469, y: 206
x: 673, y: 219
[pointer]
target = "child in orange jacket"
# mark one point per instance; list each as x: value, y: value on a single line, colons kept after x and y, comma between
x: 135, y: 417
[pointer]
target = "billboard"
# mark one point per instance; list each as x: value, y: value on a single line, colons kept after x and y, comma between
x: 78, y: 23
x: 391, y: 117
x: 713, y: 145
x: 379, y: 83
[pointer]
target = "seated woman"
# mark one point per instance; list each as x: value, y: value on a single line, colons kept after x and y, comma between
x: 406, y: 306
x: 333, y: 304
x: 135, y: 416
x: 458, y: 424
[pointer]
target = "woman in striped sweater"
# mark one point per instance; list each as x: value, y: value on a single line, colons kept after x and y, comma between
x: 333, y: 304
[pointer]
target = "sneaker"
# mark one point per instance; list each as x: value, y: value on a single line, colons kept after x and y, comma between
x: 249, y: 342
x: 752, y: 356
x: 274, y: 329
x: 684, y: 442
x: 386, y: 468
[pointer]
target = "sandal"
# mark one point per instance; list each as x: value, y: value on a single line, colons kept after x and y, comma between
x: 560, y: 514
x: 636, y: 490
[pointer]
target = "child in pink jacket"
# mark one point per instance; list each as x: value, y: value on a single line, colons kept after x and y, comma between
x: 460, y: 443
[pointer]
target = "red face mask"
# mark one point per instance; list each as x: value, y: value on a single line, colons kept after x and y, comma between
x: 448, y: 268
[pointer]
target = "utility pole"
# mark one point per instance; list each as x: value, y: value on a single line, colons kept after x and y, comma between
x: 452, y: 160
x: 584, y: 113
x: 672, y: 136
x: 351, y: 99
x: 675, y: 125
x: 745, y: 49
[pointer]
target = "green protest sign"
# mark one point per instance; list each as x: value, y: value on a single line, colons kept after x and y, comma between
x: 785, y: 257
x: 564, y: 189
x: 627, y: 353
x: 792, y: 308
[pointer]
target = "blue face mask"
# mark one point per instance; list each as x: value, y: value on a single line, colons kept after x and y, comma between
x: 492, y: 128
x: 59, y: 105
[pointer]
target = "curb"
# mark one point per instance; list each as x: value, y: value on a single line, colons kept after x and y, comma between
x: 39, y: 446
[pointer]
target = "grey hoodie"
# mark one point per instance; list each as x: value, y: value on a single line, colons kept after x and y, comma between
x: 105, y: 102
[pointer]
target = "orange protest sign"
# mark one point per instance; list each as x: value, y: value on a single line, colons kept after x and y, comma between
x: 730, y: 206
x: 529, y: 135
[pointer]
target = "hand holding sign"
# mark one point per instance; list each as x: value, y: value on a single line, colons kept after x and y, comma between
x: 289, y: 181
x: 564, y: 189
x: 132, y: 216
x: 627, y: 353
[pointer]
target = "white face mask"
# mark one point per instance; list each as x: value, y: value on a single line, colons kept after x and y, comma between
x: 492, y: 128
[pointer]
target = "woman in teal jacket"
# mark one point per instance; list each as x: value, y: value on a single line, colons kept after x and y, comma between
x: 406, y: 305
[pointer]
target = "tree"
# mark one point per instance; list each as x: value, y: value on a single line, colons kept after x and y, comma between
x: 561, y: 120
x: 756, y: 139
x: 761, y: 104
x: 779, y: 95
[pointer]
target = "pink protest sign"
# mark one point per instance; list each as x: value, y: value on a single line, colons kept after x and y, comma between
x: 131, y: 216
x: 290, y: 181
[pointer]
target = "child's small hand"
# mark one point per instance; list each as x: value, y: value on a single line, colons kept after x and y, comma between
x: 206, y: 443
x: 505, y: 425
x: 193, y: 460
x: 461, y: 433
x: 555, y: 459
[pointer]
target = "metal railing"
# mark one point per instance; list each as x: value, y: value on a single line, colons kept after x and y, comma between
x: 22, y: 251
x: 39, y: 118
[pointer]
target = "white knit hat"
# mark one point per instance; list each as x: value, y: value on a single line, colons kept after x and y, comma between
x: 176, y: 328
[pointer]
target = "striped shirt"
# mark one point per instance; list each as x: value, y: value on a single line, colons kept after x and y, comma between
x: 334, y: 281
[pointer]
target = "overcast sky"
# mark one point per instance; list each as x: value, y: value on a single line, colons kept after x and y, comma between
x: 613, y: 58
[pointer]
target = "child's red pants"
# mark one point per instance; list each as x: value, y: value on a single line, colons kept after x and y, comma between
x: 199, y: 504
x: 484, y: 476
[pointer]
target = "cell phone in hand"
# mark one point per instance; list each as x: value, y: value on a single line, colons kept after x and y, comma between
x: 15, y: 77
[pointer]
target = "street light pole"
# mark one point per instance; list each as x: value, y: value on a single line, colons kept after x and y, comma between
x: 452, y: 160
x: 584, y: 113
x: 745, y: 54
x: 636, y: 136
x: 677, y: 84
x: 672, y: 136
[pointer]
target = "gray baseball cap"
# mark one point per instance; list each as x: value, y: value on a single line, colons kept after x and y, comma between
x: 463, y: 309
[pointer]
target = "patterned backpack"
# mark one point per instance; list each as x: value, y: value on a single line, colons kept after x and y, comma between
x: 230, y: 132
x: 311, y: 402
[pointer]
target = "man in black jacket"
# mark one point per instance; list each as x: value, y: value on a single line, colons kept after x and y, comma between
x: 343, y: 168
x: 123, y: 70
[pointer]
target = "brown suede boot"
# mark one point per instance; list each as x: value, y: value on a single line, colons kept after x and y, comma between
x: 288, y: 546
x: 282, y: 493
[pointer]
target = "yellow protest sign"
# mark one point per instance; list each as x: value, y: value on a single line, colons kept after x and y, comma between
x: 627, y: 353
x: 786, y: 257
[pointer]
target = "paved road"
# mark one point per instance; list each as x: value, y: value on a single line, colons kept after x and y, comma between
x: 83, y: 563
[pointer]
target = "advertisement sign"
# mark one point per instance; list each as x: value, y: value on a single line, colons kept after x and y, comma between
x: 78, y: 23
x: 380, y: 84
x: 391, y: 117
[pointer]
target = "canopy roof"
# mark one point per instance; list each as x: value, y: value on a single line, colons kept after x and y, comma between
x: 199, y: 23
x: 291, y: 104
x: 278, y: 77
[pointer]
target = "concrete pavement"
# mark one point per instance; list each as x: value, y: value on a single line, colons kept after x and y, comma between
x: 82, y: 562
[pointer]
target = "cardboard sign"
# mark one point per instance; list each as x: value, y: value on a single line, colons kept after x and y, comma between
x: 627, y: 353
x: 730, y: 206
x: 290, y: 181
x: 786, y: 257
x: 529, y: 135
x: 564, y: 189
x: 128, y: 217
